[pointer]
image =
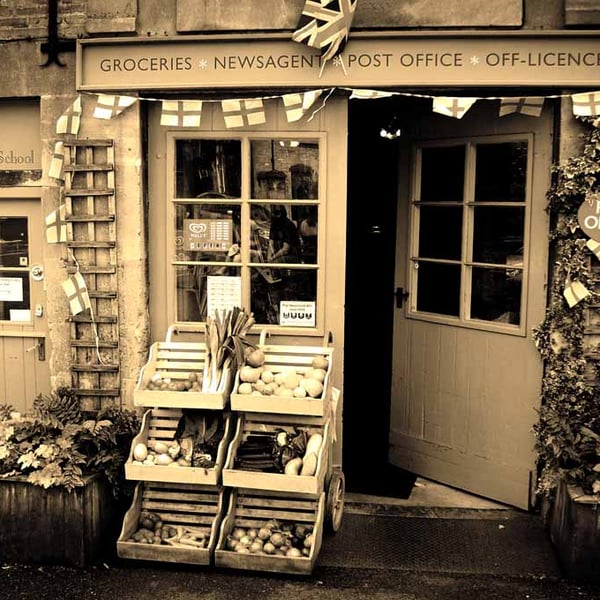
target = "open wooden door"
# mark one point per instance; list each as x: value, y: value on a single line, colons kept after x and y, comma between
x: 471, y: 266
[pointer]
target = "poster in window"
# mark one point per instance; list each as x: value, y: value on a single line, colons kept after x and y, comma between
x: 11, y: 289
x: 297, y: 314
x: 223, y: 293
x: 207, y: 234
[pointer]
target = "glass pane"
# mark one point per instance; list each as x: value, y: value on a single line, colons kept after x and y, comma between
x: 438, y: 288
x: 440, y: 232
x: 442, y: 174
x: 501, y: 172
x: 208, y: 168
x: 270, y: 286
x: 274, y: 233
x: 498, y: 234
x: 207, y: 232
x: 308, y: 228
x: 14, y: 242
x: 285, y: 168
x: 14, y: 295
x: 496, y: 295
x: 191, y: 289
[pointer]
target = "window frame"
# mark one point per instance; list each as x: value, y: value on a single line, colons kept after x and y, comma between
x: 244, y: 202
x: 466, y: 262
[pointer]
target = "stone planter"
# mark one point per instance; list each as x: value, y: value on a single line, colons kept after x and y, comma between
x: 574, y: 524
x: 54, y: 526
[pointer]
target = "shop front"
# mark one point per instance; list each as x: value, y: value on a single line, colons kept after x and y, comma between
x: 391, y: 204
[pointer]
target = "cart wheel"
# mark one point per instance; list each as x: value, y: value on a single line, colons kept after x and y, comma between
x: 335, y: 501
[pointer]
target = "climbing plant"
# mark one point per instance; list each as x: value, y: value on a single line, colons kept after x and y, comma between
x: 568, y: 430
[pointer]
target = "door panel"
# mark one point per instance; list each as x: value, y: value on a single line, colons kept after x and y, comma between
x: 465, y: 392
x: 24, y: 371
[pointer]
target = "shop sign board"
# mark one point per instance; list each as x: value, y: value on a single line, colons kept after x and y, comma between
x: 588, y: 216
x: 369, y: 60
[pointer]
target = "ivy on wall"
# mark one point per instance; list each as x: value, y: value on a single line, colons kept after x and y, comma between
x: 568, y: 430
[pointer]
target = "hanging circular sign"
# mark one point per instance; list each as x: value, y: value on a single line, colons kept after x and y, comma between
x: 588, y: 216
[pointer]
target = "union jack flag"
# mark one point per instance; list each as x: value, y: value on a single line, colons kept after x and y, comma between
x: 298, y: 104
x: 325, y: 25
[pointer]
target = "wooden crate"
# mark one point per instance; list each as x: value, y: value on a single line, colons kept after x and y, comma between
x: 159, y: 424
x: 280, y: 358
x: 249, y: 508
x: 201, y: 507
x: 176, y: 360
x: 256, y: 424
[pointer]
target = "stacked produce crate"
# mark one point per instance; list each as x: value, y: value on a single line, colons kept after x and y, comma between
x: 177, y: 457
x: 279, y: 464
x: 267, y: 487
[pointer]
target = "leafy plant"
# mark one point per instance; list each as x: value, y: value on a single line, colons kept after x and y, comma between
x: 56, y: 445
x: 568, y: 430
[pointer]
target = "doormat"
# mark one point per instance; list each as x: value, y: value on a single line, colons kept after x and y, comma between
x: 517, y: 546
x: 384, y: 480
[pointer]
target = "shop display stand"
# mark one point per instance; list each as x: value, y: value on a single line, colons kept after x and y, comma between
x: 225, y: 497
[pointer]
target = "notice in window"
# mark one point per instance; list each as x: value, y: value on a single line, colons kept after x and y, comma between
x: 11, y: 289
x: 223, y: 293
x: 207, y: 234
x: 297, y: 314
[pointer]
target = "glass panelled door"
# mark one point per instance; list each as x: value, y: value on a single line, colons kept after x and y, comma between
x: 472, y: 252
x: 23, y: 365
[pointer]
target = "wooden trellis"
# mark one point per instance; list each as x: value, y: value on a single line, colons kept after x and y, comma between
x: 92, y: 242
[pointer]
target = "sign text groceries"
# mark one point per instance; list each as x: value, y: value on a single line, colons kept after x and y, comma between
x: 377, y: 60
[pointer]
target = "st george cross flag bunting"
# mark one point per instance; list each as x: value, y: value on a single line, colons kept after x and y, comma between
x: 369, y: 94
x: 586, y: 104
x: 108, y: 106
x: 57, y: 162
x: 297, y: 105
x: 77, y: 293
x: 56, y: 225
x: 453, y: 107
x: 181, y: 113
x: 575, y: 292
x: 532, y: 107
x: 69, y: 121
x: 238, y: 113
x: 594, y: 248
x: 325, y: 25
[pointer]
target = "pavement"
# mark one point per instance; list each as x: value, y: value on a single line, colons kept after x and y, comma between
x: 426, y: 548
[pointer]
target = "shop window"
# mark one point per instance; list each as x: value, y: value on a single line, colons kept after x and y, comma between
x: 245, y: 216
x: 14, y: 269
x: 469, y: 232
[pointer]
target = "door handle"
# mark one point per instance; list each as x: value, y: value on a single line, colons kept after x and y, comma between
x: 401, y: 295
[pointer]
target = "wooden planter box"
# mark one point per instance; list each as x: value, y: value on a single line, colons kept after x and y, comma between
x: 575, y: 533
x: 54, y: 526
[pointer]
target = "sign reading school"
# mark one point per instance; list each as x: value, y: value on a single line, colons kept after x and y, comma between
x: 433, y: 58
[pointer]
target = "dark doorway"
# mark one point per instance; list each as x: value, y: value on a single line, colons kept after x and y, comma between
x: 372, y: 191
